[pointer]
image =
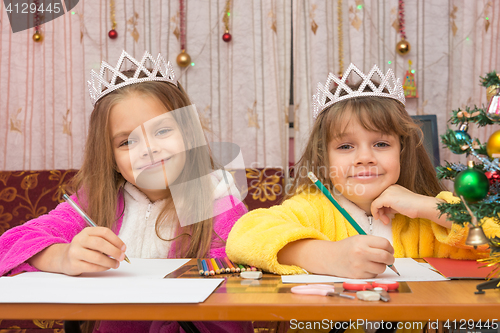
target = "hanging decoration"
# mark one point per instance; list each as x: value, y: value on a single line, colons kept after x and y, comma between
x: 37, y: 36
x: 409, y: 85
x: 493, y: 178
x: 472, y: 184
x: 227, y: 13
x: 493, y: 145
x: 113, y: 34
x: 457, y: 141
x: 402, y: 47
x: 492, y: 83
x: 341, y: 38
x: 461, y: 134
x: 183, y: 59
x: 494, y: 107
x: 476, y: 235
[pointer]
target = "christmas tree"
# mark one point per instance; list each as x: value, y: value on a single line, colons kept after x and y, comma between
x: 478, y: 183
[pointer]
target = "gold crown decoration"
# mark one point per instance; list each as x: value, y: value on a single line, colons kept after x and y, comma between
x: 323, y: 98
x: 99, y: 86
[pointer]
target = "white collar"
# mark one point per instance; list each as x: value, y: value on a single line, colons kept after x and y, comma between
x: 367, y: 223
x: 138, y: 195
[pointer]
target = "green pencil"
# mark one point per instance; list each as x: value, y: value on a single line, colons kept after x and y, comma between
x: 344, y: 213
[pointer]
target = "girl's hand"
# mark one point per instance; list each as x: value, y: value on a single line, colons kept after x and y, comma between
x: 89, y: 251
x: 356, y: 257
x: 362, y: 256
x: 92, y: 250
x: 398, y: 199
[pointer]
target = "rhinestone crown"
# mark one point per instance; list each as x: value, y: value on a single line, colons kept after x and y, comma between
x: 324, y: 98
x: 99, y: 86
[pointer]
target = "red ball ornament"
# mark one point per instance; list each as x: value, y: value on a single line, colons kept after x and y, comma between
x: 226, y: 37
x: 112, y: 34
x: 493, y: 177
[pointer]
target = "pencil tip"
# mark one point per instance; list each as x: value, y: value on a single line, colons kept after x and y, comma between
x: 127, y: 259
x: 394, y: 270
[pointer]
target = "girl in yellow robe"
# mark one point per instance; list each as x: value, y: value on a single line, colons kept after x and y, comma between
x: 366, y: 149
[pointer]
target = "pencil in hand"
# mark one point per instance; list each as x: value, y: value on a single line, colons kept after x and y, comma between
x: 83, y: 215
x: 344, y: 213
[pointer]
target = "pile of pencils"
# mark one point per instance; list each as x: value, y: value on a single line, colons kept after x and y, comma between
x: 221, y: 266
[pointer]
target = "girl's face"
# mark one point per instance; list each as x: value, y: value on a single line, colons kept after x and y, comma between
x: 147, y: 144
x: 363, y: 163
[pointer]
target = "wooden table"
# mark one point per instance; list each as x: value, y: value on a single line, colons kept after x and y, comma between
x: 270, y: 300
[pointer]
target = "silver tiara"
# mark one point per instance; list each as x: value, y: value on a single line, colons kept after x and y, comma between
x: 99, y: 86
x: 324, y: 98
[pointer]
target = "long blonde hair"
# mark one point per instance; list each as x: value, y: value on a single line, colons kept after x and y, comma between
x: 379, y: 114
x: 101, y: 184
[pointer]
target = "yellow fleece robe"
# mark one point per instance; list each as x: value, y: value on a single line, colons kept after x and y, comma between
x: 258, y: 236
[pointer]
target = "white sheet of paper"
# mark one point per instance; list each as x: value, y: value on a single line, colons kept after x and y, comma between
x: 139, y: 268
x: 109, y: 291
x: 409, y: 269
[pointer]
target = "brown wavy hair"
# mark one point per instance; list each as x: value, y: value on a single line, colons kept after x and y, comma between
x: 379, y: 114
x: 98, y: 184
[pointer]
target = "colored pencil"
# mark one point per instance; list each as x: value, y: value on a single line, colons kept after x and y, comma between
x: 210, y: 267
x: 200, y: 267
x: 242, y: 268
x: 216, y: 267
x: 230, y: 265
x: 236, y: 267
x: 224, y: 262
x: 224, y: 268
x: 344, y: 213
x: 205, y: 267
x: 253, y: 268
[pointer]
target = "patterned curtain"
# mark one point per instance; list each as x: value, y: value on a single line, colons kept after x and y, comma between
x: 241, y: 89
x: 453, y: 43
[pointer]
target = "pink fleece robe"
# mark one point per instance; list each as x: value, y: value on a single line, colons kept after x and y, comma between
x: 19, y: 244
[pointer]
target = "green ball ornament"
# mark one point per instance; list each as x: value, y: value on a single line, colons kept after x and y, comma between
x: 472, y: 184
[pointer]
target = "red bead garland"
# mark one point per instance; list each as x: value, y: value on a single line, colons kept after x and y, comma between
x: 401, y: 14
x: 37, y: 36
x: 183, y: 59
x: 402, y: 47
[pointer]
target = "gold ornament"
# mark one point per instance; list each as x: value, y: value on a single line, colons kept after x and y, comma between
x: 183, y: 59
x: 37, y: 36
x: 491, y: 91
x: 493, y: 145
x: 403, y: 47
